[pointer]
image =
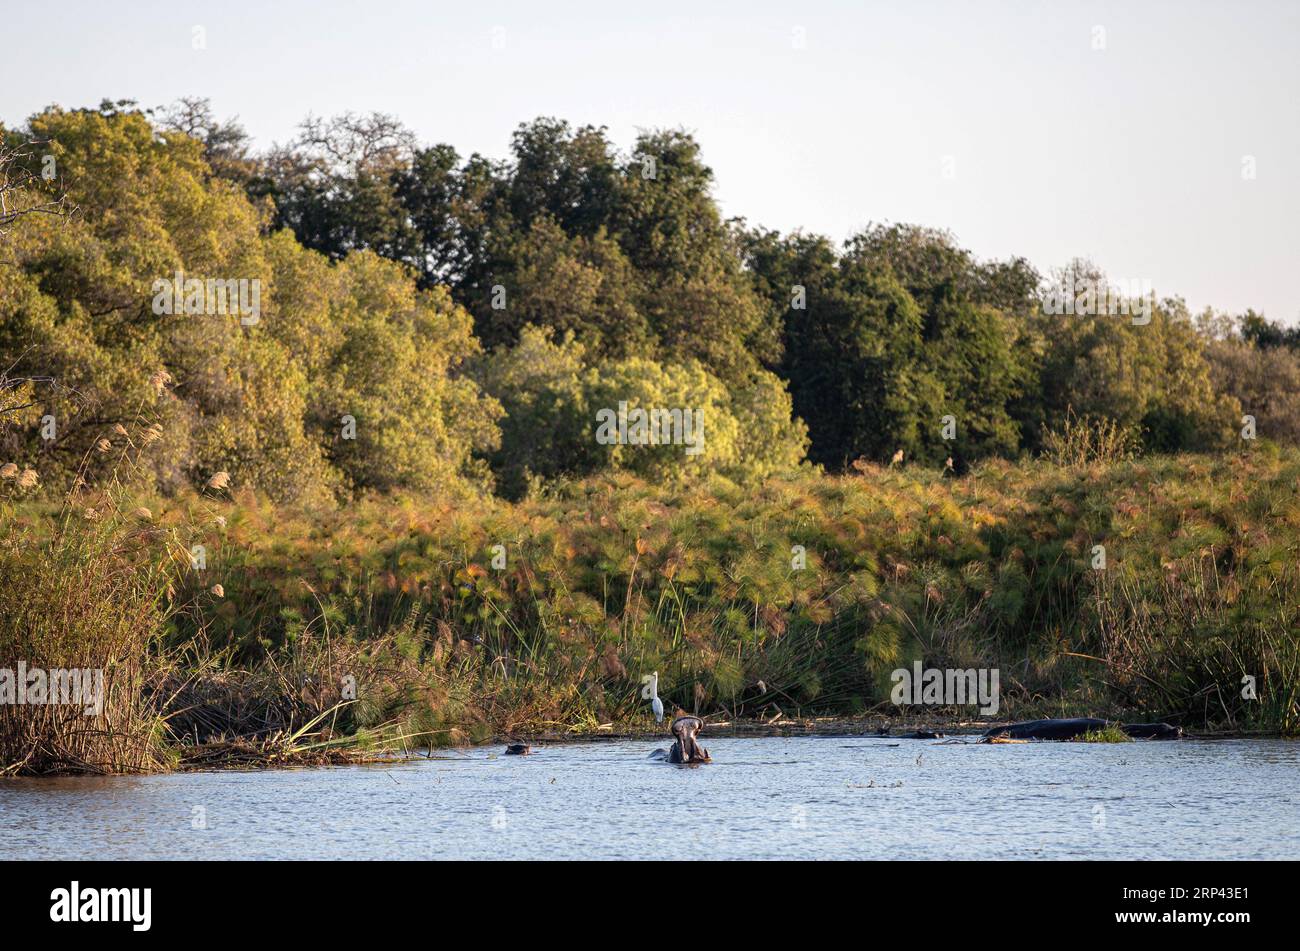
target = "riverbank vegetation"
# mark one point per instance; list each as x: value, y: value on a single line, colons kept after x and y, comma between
x: 362, y: 508
x: 388, y: 618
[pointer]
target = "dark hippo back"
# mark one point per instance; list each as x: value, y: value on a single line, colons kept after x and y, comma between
x: 1049, y: 729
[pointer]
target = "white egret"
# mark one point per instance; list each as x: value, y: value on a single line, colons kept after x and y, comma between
x: 656, y: 704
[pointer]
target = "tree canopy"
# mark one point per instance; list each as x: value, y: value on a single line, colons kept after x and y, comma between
x: 395, y: 315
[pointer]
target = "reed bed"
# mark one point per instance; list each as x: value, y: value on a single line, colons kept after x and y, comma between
x: 605, y: 582
x: 323, y: 634
x: 76, y: 603
x: 86, y: 586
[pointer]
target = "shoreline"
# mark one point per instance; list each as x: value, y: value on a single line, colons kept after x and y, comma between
x: 895, y: 728
x: 248, y: 756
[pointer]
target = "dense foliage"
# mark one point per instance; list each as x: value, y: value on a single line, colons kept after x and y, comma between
x: 797, y: 596
x: 424, y: 318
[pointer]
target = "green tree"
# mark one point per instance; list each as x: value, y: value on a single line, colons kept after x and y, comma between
x: 579, y: 285
x: 417, y: 419
x: 1153, y: 377
x: 256, y: 392
x: 552, y: 401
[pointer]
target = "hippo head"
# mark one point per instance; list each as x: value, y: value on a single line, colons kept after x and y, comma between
x: 686, y: 729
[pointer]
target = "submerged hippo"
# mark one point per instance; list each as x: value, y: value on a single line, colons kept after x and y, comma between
x: 1075, y: 727
x: 518, y: 749
x: 686, y: 749
x: 1152, y: 731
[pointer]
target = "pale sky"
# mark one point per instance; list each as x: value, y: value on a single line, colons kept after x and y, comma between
x: 998, y: 121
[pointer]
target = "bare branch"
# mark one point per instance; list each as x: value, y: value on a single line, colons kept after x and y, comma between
x: 22, y: 191
x: 355, y: 143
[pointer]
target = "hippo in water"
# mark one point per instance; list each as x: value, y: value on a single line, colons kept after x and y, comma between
x: 1152, y: 731
x: 1073, y: 728
x: 686, y: 749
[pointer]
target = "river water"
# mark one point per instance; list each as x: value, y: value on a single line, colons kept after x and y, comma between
x: 771, y: 797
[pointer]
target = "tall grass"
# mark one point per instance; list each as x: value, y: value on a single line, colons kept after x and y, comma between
x: 88, y: 582
x: 89, y: 595
x: 1205, y: 649
x: 1081, y: 440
